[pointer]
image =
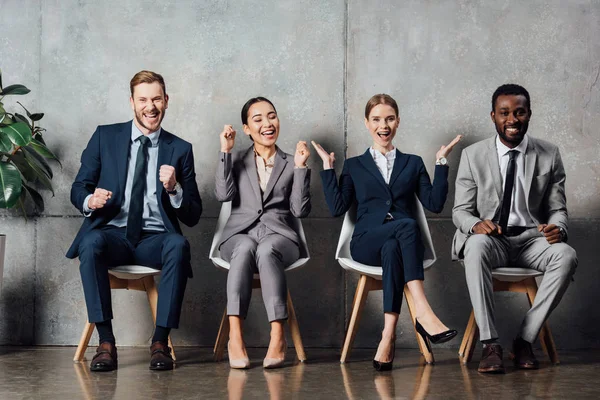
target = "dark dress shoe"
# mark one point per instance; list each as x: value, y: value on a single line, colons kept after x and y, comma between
x: 491, y: 359
x: 524, y: 357
x: 160, y: 357
x: 105, y: 358
x: 386, y: 366
x: 435, y: 339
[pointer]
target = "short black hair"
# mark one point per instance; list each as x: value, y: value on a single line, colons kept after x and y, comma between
x: 510, y: 89
x: 249, y: 104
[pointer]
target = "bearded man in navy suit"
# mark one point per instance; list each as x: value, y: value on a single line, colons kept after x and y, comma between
x: 136, y: 182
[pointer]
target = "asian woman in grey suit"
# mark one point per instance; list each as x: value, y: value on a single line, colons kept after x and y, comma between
x: 267, y: 189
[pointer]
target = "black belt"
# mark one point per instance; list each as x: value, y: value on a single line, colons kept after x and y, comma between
x: 515, y: 230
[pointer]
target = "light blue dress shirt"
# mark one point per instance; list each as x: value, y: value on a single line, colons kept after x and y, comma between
x: 151, y: 217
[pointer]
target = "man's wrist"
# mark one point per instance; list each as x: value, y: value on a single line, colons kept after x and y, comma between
x: 176, y: 188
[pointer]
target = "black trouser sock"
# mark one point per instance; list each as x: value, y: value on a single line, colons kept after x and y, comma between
x: 105, y: 331
x: 161, y: 334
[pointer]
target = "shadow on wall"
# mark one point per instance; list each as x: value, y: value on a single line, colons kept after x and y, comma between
x: 16, y: 313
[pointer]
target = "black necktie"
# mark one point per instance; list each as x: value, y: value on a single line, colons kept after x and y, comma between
x: 509, y: 183
x: 136, y: 204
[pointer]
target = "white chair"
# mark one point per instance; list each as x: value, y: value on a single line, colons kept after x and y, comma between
x: 215, y: 257
x: 370, y: 276
x: 134, y: 277
x: 510, y: 279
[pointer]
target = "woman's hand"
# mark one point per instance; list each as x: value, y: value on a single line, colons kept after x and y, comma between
x: 301, y: 154
x: 445, y: 150
x: 328, y: 158
x: 227, y: 138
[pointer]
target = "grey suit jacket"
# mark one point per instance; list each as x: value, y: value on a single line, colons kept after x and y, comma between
x: 479, y: 187
x: 287, y: 194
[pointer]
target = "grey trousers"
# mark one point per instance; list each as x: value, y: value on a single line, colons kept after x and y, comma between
x: 260, y: 251
x: 483, y: 253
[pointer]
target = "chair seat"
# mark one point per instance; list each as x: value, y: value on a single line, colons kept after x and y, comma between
x: 514, y: 274
x: 133, y: 271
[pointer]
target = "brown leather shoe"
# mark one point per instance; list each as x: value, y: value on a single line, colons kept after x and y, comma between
x: 491, y: 359
x: 160, y: 357
x: 524, y: 357
x: 105, y: 358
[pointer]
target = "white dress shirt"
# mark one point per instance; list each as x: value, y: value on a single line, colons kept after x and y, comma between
x: 385, y: 163
x: 519, y: 214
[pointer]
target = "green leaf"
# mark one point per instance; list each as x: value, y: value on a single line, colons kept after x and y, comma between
x: 38, y: 160
x: 5, y: 143
x: 21, y: 203
x: 38, y: 136
x: 24, y: 167
x: 10, y: 185
x: 36, y: 116
x: 19, y: 133
x: 40, y: 174
x: 14, y: 89
x: 0, y: 80
x: 37, y: 198
x: 41, y: 148
x: 21, y: 118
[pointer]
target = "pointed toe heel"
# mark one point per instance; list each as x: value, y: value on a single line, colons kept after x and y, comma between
x: 435, y: 339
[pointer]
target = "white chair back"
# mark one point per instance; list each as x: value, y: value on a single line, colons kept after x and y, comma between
x: 344, y: 257
x: 215, y: 255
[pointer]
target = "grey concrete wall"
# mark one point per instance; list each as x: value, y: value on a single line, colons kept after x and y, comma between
x: 319, y: 62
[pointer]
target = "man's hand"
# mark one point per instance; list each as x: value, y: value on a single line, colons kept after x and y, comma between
x: 166, y: 175
x: 551, y: 233
x: 487, y: 227
x: 328, y: 158
x: 301, y: 154
x: 227, y: 138
x: 99, y: 198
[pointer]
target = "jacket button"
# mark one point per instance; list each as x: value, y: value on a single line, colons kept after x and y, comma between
x: 388, y: 202
x: 259, y: 211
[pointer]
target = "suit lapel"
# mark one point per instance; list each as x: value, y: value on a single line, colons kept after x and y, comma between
x: 122, y: 148
x: 250, y: 168
x: 494, y: 166
x: 165, y: 152
x: 530, y: 160
x: 367, y: 161
x: 280, y: 164
x: 399, y: 164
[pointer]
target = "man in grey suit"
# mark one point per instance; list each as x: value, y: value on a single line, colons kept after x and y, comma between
x: 510, y: 209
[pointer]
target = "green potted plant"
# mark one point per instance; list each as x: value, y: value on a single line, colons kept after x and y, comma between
x: 24, y: 159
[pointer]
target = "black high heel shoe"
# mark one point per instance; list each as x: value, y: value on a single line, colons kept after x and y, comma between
x: 435, y: 339
x: 386, y: 366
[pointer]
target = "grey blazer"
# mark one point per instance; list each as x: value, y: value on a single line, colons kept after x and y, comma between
x: 287, y: 194
x: 479, y: 187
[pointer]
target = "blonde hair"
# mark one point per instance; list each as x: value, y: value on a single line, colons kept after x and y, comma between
x: 381, y: 98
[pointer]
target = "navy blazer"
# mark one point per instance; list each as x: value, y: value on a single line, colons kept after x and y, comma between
x: 104, y: 165
x: 361, y: 181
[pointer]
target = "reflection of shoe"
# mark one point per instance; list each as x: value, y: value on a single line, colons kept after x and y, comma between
x: 524, y: 357
x: 491, y: 359
x: 105, y: 358
x: 386, y: 366
x: 160, y: 357
x: 270, y: 363
x: 237, y: 363
x: 435, y: 339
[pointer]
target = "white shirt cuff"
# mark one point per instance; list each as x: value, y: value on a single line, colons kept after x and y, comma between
x: 86, y: 210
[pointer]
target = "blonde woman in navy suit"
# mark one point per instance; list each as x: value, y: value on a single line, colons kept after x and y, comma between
x: 383, y: 182
x: 267, y: 189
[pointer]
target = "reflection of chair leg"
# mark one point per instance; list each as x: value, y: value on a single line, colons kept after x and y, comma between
x: 222, y: 336
x: 347, y: 382
x: 360, y: 297
x: 295, y: 329
x: 546, y: 339
x: 422, y: 382
x: 152, y: 293
x: 86, y: 335
x: 467, y: 335
x: 422, y: 345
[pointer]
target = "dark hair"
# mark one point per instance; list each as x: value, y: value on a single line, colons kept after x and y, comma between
x: 381, y: 98
x: 249, y: 104
x: 510, y: 89
x: 147, y: 77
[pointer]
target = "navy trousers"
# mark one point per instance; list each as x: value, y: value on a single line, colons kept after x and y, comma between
x: 397, y: 247
x: 107, y: 247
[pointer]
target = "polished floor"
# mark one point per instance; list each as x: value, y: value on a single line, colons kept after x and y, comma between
x: 49, y: 373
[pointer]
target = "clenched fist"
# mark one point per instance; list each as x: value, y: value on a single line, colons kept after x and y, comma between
x: 99, y: 198
x: 166, y: 175
x: 227, y: 138
x: 301, y: 154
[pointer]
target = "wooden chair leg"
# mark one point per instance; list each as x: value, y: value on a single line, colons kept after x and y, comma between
x: 360, y: 297
x: 86, y: 335
x: 295, y: 329
x: 545, y: 335
x: 428, y: 355
x: 471, y: 343
x: 470, y: 325
x: 152, y: 294
x: 222, y: 337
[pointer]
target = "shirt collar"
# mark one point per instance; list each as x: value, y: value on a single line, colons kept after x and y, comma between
x: 503, y: 149
x: 390, y: 155
x: 270, y: 160
x: 136, y: 133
